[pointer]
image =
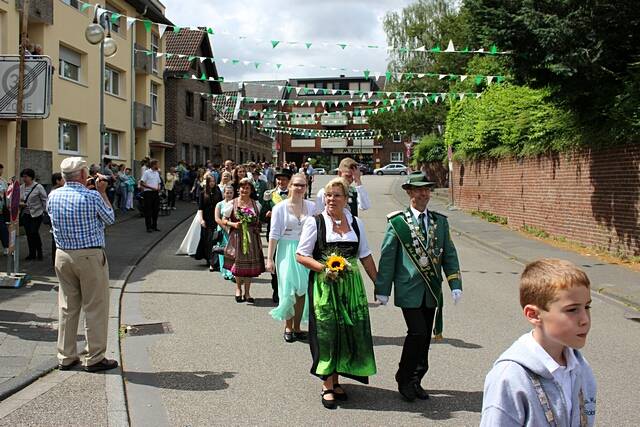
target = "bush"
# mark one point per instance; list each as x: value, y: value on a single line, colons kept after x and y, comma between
x: 510, y: 120
x: 430, y: 149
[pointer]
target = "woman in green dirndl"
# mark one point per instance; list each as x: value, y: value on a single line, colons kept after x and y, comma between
x: 339, y: 329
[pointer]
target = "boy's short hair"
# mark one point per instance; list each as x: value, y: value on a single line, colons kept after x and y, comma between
x: 347, y: 163
x: 541, y: 280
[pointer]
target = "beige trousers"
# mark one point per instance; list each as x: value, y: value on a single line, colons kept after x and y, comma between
x: 84, y: 284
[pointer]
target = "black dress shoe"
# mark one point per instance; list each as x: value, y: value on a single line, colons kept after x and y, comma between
x: 70, y: 366
x: 156, y: 229
x: 239, y: 298
x: 103, y: 365
x: 288, y: 337
x: 250, y: 300
x: 421, y: 393
x: 407, y: 391
x: 29, y: 258
x: 301, y: 336
x: 149, y: 230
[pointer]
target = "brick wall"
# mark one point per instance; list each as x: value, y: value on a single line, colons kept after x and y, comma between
x: 588, y: 196
x: 438, y: 173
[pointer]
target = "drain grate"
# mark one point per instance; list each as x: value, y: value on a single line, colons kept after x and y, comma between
x: 148, y: 329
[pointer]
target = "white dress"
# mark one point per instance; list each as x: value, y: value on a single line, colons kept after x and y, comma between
x: 190, y: 242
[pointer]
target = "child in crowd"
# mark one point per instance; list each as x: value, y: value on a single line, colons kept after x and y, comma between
x: 542, y: 379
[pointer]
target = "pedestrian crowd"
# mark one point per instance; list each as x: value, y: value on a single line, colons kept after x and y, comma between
x: 313, y: 251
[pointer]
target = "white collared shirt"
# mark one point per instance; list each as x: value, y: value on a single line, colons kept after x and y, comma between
x: 562, y: 374
x: 416, y: 214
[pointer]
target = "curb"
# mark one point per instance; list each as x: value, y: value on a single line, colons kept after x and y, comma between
x: 603, y: 292
x: 117, y: 410
x: 117, y: 413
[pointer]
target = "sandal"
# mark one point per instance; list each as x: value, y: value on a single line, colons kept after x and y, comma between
x: 339, y: 396
x: 329, y: 404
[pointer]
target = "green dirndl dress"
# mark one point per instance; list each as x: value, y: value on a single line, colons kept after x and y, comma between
x: 339, y: 327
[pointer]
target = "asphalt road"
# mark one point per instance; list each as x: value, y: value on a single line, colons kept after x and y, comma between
x: 227, y: 364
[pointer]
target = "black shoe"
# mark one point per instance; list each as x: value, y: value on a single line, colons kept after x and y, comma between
x: 301, y: 336
x: 68, y: 367
x: 29, y: 258
x: 288, y: 337
x: 149, y: 230
x: 103, y: 365
x: 408, y: 391
x: 251, y: 300
x: 329, y: 404
x: 39, y: 257
x: 274, y: 297
x: 156, y: 229
x: 239, y: 298
x: 420, y: 392
x: 339, y: 396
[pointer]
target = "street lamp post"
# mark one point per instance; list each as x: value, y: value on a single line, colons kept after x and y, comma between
x: 95, y: 34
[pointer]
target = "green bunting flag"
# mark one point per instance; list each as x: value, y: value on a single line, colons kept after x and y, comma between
x: 210, y: 31
x: 84, y: 7
x: 115, y: 17
x: 176, y: 29
x: 342, y: 45
x: 257, y: 64
x: 308, y: 45
x: 366, y: 74
x: 278, y: 66
x: 147, y: 25
x: 274, y: 43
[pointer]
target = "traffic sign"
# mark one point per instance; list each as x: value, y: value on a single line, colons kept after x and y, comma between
x: 37, y: 86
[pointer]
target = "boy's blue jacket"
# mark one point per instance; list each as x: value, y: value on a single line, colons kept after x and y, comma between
x: 510, y: 398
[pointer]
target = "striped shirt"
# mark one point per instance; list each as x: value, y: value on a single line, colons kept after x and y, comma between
x: 78, y: 217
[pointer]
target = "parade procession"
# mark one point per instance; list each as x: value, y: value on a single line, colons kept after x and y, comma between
x: 411, y: 212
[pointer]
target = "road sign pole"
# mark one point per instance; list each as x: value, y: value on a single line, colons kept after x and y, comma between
x: 24, y: 19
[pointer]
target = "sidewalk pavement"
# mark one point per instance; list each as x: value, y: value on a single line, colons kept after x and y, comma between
x: 610, y: 279
x: 28, y: 315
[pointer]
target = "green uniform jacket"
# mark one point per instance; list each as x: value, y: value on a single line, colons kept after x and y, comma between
x: 395, y: 267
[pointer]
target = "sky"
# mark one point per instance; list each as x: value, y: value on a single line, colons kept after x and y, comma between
x: 325, y: 23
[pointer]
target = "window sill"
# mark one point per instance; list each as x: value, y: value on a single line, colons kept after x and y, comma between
x: 120, y: 97
x: 67, y: 79
x: 71, y: 153
x: 157, y: 123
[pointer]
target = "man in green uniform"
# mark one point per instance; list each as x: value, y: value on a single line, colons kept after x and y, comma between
x: 269, y: 200
x: 416, y: 249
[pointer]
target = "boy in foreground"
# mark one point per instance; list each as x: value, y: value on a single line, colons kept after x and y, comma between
x: 542, y: 379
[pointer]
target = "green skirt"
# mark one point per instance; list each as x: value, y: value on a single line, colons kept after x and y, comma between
x: 339, y: 327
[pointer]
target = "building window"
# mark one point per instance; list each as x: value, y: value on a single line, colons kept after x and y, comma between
x: 205, y: 153
x: 115, y: 26
x: 397, y: 157
x: 68, y: 137
x: 184, y: 149
x: 203, y: 109
x: 194, y: 154
x: 72, y: 3
x: 397, y: 138
x: 111, y: 81
x: 189, y: 104
x: 155, y: 47
x: 154, y: 102
x: 70, y: 62
x: 112, y: 144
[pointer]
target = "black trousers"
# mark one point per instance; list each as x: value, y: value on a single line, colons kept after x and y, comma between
x: 151, y: 209
x: 32, y: 230
x: 172, y: 198
x: 414, y: 362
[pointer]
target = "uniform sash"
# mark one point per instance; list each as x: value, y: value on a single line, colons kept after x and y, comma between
x: 429, y: 268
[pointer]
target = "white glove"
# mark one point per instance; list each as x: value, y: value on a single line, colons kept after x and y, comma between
x: 457, y: 296
x: 383, y: 299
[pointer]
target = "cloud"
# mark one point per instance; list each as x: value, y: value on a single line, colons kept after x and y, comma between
x: 325, y: 24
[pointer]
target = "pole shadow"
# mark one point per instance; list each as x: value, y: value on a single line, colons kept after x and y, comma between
x: 188, y: 381
x: 399, y: 342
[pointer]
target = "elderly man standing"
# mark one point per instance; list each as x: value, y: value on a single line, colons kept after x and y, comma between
x: 151, y: 183
x: 416, y: 249
x: 78, y: 218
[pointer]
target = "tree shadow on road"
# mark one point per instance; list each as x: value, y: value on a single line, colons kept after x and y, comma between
x: 174, y: 380
x: 399, y: 341
x: 440, y: 407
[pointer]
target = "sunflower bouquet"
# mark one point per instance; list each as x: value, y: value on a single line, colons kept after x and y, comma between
x: 246, y: 216
x: 335, y: 265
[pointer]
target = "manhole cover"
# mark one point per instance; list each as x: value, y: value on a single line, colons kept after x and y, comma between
x: 148, y: 329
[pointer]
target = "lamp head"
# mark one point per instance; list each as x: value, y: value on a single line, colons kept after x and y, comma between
x: 94, y: 33
x: 110, y: 47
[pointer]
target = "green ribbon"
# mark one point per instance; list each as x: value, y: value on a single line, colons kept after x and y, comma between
x: 246, y: 237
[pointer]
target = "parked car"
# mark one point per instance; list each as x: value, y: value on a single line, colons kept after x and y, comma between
x: 391, y: 169
x: 365, y: 169
x: 321, y: 171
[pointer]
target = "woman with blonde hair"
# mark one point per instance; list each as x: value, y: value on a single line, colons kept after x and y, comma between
x: 225, y: 179
x: 287, y: 219
x: 220, y: 207
x: 243, y: 254
x: 330, y: 246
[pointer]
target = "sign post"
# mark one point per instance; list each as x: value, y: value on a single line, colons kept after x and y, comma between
x: 407, y: 146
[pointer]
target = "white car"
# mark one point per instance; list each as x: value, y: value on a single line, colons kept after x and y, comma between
x: 391, y: 169
x: 320, y: 171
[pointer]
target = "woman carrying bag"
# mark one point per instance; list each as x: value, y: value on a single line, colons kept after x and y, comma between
x: 34, y: 204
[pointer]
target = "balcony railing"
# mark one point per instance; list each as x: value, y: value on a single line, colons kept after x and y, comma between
x: 143, y: 116
x: 142, y: 61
